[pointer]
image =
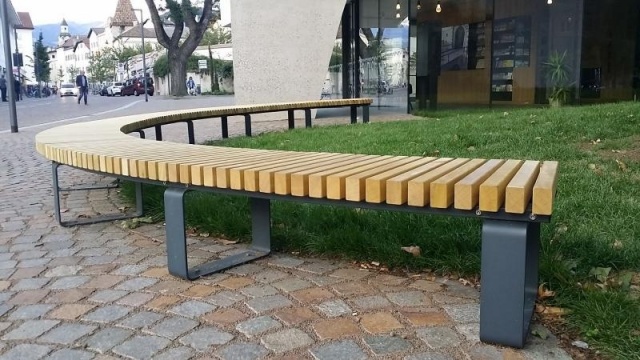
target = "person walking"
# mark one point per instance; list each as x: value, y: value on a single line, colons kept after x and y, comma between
x: 83, y: 87
x: 191, y: 86
x: 17, y: 88
x: 3, y: 88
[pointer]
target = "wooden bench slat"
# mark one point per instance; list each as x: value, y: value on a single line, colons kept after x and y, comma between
x: 520, y: 188
x: 266, y: 178
x: 397, y: 187
x: 418, y: 188
x: 467, y: 190
x: 355, y: 185
x: 376, y: 186
x: 282, y: 177
x: 318, y: 181
x: 492, y: 191
x: 545, y: 188
x: 238, y: 175
x: 251, y: 181
x: 442, y: 189
x: 300, y: 179
x: 336, y: 183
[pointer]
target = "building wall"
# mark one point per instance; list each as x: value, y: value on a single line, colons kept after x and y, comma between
x: 282, y: 48
x: 25, y: 46
x: 13, y: 19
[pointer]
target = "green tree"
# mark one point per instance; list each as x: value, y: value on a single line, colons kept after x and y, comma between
x: 42, y: 69
x: 101, y: 67
x: 121, y: 54
x: 72, y: 71
x: 161, y: 66
x: 215, y: 35
x: 182, y: 13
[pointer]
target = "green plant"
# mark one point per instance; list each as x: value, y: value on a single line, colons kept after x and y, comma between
x: 558, y: 76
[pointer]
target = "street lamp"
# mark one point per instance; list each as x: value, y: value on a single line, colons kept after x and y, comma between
x: 144, y: 61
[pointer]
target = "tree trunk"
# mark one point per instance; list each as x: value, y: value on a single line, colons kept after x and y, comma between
x: 178, y: 69
x: 214, y: 74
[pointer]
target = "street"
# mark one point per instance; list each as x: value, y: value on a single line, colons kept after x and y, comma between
x: 34, y: 113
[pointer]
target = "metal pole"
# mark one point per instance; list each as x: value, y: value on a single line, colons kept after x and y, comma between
x: 13, y: 118
x: 15, y: 37
x: 144, y: 61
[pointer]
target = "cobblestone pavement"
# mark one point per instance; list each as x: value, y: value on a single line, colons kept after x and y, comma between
x: 102, y: 292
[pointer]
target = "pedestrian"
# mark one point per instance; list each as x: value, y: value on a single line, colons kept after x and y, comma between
x: 17, y: 86
x: 3, y: 88
x: 83, y: 87
x: 191, y: 86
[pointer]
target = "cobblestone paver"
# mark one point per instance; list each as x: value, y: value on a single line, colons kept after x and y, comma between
x: 103, y: 292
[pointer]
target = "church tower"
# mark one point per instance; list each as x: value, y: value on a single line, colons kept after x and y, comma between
x: 64, y: 32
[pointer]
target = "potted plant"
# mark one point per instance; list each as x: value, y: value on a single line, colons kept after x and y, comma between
x: 558, y: 76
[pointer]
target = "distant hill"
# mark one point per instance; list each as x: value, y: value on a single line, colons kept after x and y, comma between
x: 50, y: 32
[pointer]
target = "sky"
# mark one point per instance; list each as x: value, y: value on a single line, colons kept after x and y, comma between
x: 78, y: 11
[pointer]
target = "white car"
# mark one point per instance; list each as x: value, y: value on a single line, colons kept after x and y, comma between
x: 68, y: 89
x: 115, y: 89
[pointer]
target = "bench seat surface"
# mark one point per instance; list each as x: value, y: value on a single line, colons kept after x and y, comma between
x: 490, y: 185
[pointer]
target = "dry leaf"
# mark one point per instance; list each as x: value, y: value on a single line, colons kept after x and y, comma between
x: 413, y: 250
x: 617, y: 244
x: 595, y: 141
x: 471, y: 148
x: 550, y: 310
x: 204, y: 235
x: 375, y: 263
x: 538, y: 138
x: 227, y: 242
x: 544, y: 293
x: 621, y: 165
x: 122, y: 208
x: 592, y: 166
x: 64, y: 210
x: 615, y: 151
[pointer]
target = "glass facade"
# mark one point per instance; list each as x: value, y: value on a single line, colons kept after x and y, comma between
x: 413, y: 54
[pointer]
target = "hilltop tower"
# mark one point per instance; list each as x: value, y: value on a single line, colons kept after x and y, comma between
x: 64, y: 32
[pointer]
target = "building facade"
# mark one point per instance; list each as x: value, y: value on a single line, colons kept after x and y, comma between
x: 14, y: 21
x: 411, y: 54
x: 24, y: 38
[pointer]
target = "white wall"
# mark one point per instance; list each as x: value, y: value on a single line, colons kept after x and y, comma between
x: 282, y: 48
x: 13, y: 19
x: 25, y: 46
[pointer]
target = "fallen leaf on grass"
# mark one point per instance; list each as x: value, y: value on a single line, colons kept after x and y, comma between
x: 227, y: 242
x: 544, y: 293
x: 550, y: 310
x: 621, y: 165
x: 204, y: 235
x: 601, y: 274
x: 592, y: 166
x: 595, y: 141
x: 617, y: 244
x: 413, y: 250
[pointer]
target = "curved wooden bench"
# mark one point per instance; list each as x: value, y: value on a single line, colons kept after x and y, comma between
x: 511, y: 196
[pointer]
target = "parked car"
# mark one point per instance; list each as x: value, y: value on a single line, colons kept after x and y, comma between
x: 104, y: 91
x: 115, y: 89
x: 136, y: 87
x: 68, y: 89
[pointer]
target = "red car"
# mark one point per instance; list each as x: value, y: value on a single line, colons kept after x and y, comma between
x: 136, y: 87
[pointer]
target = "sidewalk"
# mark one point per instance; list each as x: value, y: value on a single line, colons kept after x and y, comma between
x: 103, y: 292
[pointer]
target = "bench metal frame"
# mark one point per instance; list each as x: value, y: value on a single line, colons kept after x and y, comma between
x: 509, y: 268
x: 93, y: 220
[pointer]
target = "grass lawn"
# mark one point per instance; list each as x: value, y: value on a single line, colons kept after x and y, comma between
x: 590, y: 252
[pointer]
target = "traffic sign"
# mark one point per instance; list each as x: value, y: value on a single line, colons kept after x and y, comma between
x: 202, y: 64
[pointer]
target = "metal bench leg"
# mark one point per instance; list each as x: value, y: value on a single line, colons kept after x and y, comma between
x: 365, y: 114
x: 354, y: 114
x: 225, y: 127
x: 307, y: 118
x: 247, y: 124
x: 158, y: 132
x: 509, y: 280
x: 177, y: 239
x: 292, y: 119
x: 141, y: 132
x: 191, y: 132
x: 56, y: 203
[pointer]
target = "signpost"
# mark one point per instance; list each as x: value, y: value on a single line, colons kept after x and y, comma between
x: 202, y: 64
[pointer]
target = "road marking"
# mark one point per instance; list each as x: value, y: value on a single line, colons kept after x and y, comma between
x: 117, y: 109
x: 75, y: 118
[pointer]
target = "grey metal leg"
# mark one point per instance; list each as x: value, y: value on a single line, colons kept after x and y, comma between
x: 191, y: 132
x: 292, y: 119
x: 247, y: 124
x: 56, y: 204
x: 354, y: 114
x: 365, y: 114
x: 177, y: 240
x: 509, y: 276
x: 307, y: 118
x: 158, y: 132
x: 225, y: 127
